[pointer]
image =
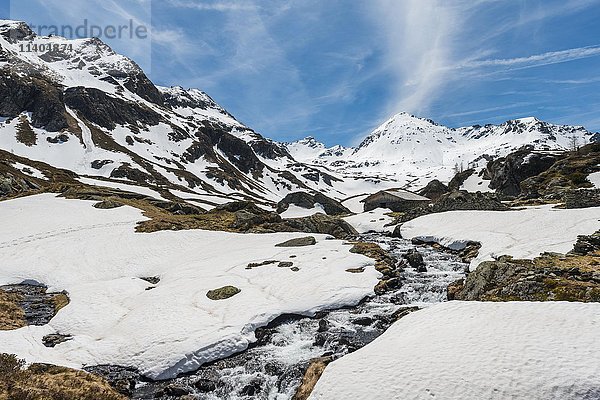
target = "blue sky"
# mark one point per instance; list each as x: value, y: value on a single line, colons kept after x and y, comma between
x: 336, y: 69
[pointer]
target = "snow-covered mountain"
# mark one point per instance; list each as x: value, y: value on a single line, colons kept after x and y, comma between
x: 79, y: 106
x: 411, y: 150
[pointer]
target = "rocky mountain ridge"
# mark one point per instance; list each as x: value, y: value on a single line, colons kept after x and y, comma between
x: 412, y: 151
x: 81, y: 107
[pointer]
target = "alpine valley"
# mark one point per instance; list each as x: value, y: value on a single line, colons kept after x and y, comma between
x: 151, y: 239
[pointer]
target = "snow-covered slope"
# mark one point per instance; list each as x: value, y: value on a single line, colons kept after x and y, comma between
x: 471, y: 350
x: 411, y: 151
x: 77, y: 105
x: 520, y: 233
x: 96, y: 256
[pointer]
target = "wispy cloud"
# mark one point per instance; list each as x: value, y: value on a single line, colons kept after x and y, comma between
x: 222, y: 6
x: 418, y: 40
x: 536, y: 60
x: 488, y: 110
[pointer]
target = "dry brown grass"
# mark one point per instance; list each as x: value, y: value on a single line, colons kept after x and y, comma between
x: 48, y: 382
x: 158, y: 218
x: 60, y: 301
x: 587, y: 263
x: 383, y: 262
x: 25, y: 133
x: 311, y: 377
x: 11, y: 313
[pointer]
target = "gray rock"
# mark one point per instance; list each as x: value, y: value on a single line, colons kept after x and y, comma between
x: 108, y: 204
x: 177, y: 390
x: 285, y: 264
x: 298, y: 242
x: 306, y: 200
x: 363, y: 321
x: 205, y: 385
x: 54, y: 339
x: 415, y: 260
x: 223, y: 293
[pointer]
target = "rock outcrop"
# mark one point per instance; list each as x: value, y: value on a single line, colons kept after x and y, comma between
x: 458, y: 200
x: 581, y: 198
x: 434, y: 190
x: 550, y: 277
x: 569, y: 172
x: 507, y: 173
x: 306, y: 200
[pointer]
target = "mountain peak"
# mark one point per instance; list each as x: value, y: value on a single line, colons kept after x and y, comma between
x: 14, y: 31
x: 527, y: 120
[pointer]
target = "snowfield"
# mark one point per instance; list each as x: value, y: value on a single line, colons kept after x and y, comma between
x: 594, y: 179
x: 295, y: 211
x: 371, y: 221
x: 96, y: 256
x: 522, y: 234
x: 472, y: 350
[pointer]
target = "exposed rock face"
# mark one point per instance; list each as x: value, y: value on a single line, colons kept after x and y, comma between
x: 177, y: 208
x: 53, y: 339
x: 458, y: 200
x: 318, y: 223
x: 11, y: 184
x: 122, y: 379
x: 34, y: 94
x: 434, y: 190
x: 248, y: 216
x: 107, y: 111
x: 306, y: 200
x: 569, y: 172
x: 507, y: 173
x: 460, y: 178
x: 550, y: 277
x: 582, y: 198
x: 587, y: 244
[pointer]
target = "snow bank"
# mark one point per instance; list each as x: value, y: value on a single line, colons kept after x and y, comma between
x: 371, y: 221
x: 122, y: 186
x: 355, y: 204
x: 594, y: 178
x: 113, y: 317
x: 522, y: 234
x: 295, y: 211
x: 475, y: 183
x: 472, y: 350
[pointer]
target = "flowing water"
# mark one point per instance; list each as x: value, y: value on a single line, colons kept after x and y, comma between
x: 274, y: 366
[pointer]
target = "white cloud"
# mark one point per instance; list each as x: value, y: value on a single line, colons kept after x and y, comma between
x: 536, y: 60
x: 222, y: 6
x: 430, y: 44
x: 419, y: 45
x: 489, y: 109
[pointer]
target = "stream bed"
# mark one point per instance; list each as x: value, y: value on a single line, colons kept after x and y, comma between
x: 274, y: 366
